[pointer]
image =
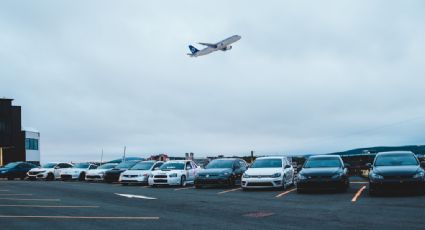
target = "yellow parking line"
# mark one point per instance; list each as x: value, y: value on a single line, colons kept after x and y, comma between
x: 46, y: 206
x: 284, y: 193
x: 177, y: 189
x: 358, y: 194
x: 30, y: 199
x: 231, y: 190
x: 87, y: 217
x: 15, y: 194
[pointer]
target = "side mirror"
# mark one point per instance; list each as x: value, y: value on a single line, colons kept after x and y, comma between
x: 369, y: 165
x: 287, y: 166
x: 423, y: 164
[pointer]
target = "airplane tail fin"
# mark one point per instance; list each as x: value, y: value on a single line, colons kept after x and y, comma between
x: 193, y: 49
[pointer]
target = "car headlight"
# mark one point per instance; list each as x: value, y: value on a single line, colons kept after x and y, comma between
x: 337, y: 176
x: 302, y: 177
x: 276, y: 175
x: 224, y: 174
x: 419, y: 175
x: 245, y: 175
x: 376, y: 176
x: 173, y: 175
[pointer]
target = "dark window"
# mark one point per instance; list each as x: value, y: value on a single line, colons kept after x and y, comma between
x: 188, y: 165
x: 31, y: 144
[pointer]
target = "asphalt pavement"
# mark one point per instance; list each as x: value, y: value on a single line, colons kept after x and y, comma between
x: 83, y: 205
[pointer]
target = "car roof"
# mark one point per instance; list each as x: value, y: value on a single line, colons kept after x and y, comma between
x: 395, y: 152
x: 325, y: 156
x: 273, y: 157
x: 178, y: 161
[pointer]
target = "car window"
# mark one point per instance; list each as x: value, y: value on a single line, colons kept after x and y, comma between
x: 157, y: 165
x: 92, y: 167
x: 188, y: 165
x: 66, y: 166
x: 243, y: 164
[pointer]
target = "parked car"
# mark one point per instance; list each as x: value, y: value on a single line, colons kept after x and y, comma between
x: 395, y: 171
x: 16, y: 170
x: 98, y: 173
x: 227, y: 171
x: 269, y: 172
x: 175, y: 172
x: 78, y: 171
x: 49, y: 171
x: 139, y: 173
x: 323, y: 172
x: 113, y: 175
x: 120, y: 160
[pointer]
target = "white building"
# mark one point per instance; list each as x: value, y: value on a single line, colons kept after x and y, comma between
x: 32, y: 146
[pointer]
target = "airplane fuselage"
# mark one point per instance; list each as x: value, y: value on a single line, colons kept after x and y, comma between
x: 223, y: 45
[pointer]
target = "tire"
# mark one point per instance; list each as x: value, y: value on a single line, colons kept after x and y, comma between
x: 231, y: 183
x: 183, y: 181
x: 124, y: 184
x: 82, y: 177
x: 10, y: 178
x: 245, y: 189
x: 300, y: 191
x: 50, y: 177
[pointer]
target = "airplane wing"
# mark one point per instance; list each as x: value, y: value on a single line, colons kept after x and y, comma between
x: 208, y: 44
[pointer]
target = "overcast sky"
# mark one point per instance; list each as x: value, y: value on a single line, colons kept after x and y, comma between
x: 306, y: 77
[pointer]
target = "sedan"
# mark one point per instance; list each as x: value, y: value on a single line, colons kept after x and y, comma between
x: 323, y: 172
x: 16, y: 170
x: 394, y: 171
x: 139, y: 173
x: 113, y: 175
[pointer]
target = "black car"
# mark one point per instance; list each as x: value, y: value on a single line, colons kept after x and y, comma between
x: 221, y: 172
x: 114, y: 174
x: 323, y: 172
x: 16, y: 170
x: 392, y: 171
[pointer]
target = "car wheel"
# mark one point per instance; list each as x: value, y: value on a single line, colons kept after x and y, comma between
x: 231, y: 183
x: 50, y: 177
x: 245, y: 189
x: 300, y: 191
x: 124, y: 184
x: 183, y: 181
x: 82, y: 177
x: 372, y: 191
x: 10, y: 178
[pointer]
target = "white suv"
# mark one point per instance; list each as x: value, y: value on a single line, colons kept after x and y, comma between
x: 177, y: 172
x: 49, y: 171
x: 269, y: 172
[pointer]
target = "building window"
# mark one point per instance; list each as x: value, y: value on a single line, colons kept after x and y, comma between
x: 31, y: 144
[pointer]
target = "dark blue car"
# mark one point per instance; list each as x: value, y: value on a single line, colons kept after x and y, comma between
x: 16, y: 170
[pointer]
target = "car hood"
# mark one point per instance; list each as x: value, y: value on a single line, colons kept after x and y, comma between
x: 41, y: 169
x: 263, y: 171
x: 72, y: 170
x: 135, y: 172
x: 96, y: 171
x: 406, y: 170
x: 115, y: 171
x: 160, y: 172
x: 215, y: 171
x: 4, y: 169
x: 320, y: 171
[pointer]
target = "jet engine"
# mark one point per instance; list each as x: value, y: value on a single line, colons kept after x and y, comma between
x: 227, y: 48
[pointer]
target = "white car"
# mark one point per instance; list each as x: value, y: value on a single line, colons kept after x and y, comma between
x: 49, y: 171
x: 268, y: 172
x: 176, y: 172
x: 139, y: 173
x: 98, y: 173
x: 78, y: 171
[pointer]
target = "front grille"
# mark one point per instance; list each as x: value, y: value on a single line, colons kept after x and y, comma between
x: 129, y: 176
x: 33, y: 173
x: 160, y: 181
x: 260, y: 176
x: 160, y: 176
x: 397, y: 177
x: 260, y: 184
x: 93, y: 176
x: 319, y: 177
x: 208, y: 175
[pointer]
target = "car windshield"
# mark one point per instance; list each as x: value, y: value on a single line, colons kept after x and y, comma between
x: 267, y: 163
x: 396, y: 160
x: 107, y: 166
x: 172, y: 166
x: 217, y: 164
x: 323, y: 162
x: 11, y: 165
x: 81, y: 165
x: 49, y: 165
x: 126, y: 165
x: 142, y: 166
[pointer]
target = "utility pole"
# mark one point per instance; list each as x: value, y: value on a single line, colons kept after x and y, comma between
x: 123, y: 157
x: 252, y: 156
x: 101, y: 157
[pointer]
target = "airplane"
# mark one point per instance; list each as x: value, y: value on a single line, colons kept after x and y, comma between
x: 222, y: 45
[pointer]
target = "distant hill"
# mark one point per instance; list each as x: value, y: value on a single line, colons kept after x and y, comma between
x: 417, y: 149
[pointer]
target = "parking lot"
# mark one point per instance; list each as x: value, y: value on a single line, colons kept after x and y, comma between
x: 71, y: 205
